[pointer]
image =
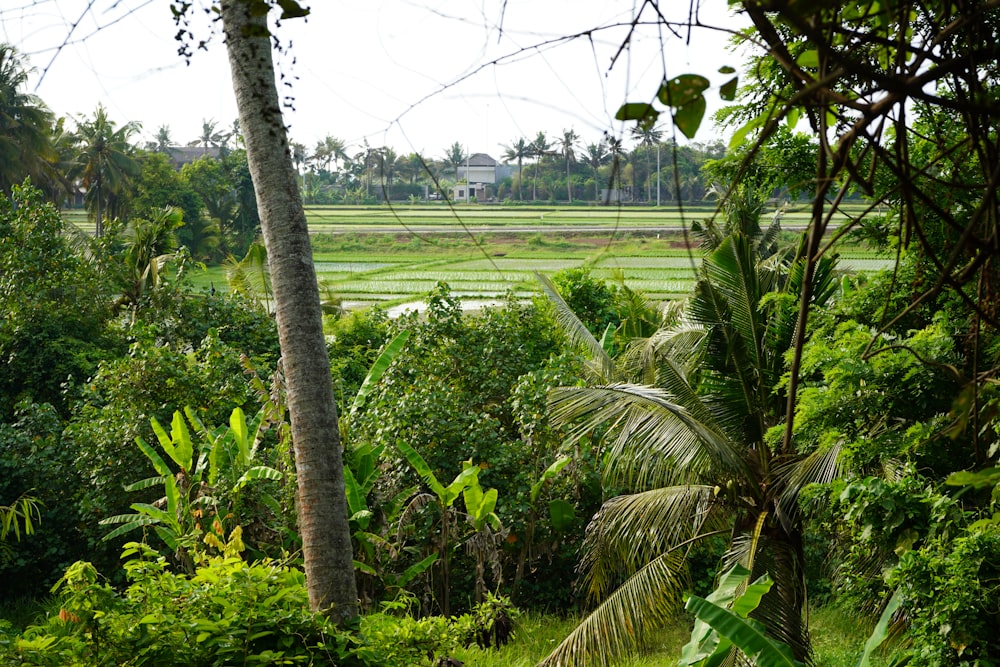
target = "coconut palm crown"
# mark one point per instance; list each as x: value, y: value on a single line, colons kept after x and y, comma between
x: 684, y: 416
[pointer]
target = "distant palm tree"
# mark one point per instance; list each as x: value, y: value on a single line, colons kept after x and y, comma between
x: 163, y: 141
x: 25, y: 124
x: 517, y: 150
x: 299, y: 157
x: 568, y: 147
x: 540, y: 147
x: 103, y: 162
x: 330, y: 149
x: 388, y: 166
x: 595, y: 156
x: 455, y: 157
x: 647, y: 136
x: 616, y: 149
x: 209, y: 136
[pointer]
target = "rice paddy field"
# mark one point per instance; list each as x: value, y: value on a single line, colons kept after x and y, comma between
x: 394, y: 255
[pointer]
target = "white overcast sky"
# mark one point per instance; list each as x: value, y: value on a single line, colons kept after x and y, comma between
x: 415, y: 75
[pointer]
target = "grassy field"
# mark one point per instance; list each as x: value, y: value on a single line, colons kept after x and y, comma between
x: 838, y: 641
x: 394, y: 255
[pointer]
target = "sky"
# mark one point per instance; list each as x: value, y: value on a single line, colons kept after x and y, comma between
x: 414, y: 75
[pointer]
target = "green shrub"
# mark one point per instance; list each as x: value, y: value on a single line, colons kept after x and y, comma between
x: 228, y: 612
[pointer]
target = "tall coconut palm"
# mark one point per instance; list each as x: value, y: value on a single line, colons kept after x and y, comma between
x: 568, y: 147
x: 595, y: 156
x: 25, y: 123
x: 518, y: 150
x: 103, y: 164
x: 685, y: 415
x: 540, y: 147
x: 321, y: 498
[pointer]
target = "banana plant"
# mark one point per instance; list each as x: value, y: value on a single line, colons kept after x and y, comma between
x: 561, y: 515
x: 722, y: 625
x: 202, y: 479
x: 480, y: 506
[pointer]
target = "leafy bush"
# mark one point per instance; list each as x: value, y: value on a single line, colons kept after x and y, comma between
x: 34, y: 460
x: 227, y: 612
x: 55, y: 308
x: 949, y: 595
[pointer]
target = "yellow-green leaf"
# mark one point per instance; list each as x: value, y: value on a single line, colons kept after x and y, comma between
x: 688, y: 117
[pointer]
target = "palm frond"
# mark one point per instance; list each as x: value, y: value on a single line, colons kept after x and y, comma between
x: 820, y: 467
x: 578, y: 334
x: 654, y: 439
x: 630, y: 531
x: 627, y: 618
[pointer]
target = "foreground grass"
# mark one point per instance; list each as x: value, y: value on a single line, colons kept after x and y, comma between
x: 538, y: 634
x: 838, y: 640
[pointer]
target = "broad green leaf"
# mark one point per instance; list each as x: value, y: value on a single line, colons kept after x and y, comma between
x: 745, y: 635
x: 158, y: 463
x: 355, y: 498
x: 423, y: 470
x: 726, y: 69
x: 145, y: 483
x: 238, y: 426
x: 881, y: 630
x: 727, y: 91
x: 561, y: 514
x: 130, y: 523
x: 706, y: 647
x: 740, y: 135
x: 641, y: 112
x: 808, y: 58
x: 468, y: 476
x: 255, y: 473
x: 688, y: 117
x: 169, y: 538
x: 792, y: 117
x: 750, y: 599
x: 391, y: 351
x: 549, y: 473
x: 410, y: 573
x: 180, y: 438
x: 164, y: 439
x: 473, y: 496
x: 367, y: 569
x: 979, y: 479
x: 682, y: 90
x: 155, y: 513
x: 485, y: 510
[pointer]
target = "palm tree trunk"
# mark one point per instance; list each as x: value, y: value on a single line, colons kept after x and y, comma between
x: 321, y: 500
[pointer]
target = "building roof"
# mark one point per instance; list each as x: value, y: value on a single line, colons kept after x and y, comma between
x: 182, y: 155
x: 481, y: 160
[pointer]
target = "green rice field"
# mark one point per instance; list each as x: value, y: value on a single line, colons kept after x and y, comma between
x: 395, y: 255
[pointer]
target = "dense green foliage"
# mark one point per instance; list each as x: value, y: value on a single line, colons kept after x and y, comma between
x: 835, y: 435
